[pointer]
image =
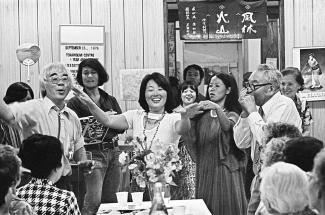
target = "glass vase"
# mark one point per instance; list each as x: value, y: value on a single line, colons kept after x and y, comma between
x: 165, y: 192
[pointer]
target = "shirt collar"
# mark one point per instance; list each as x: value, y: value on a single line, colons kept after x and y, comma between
x: 49, y: 105
x: 41, y: 181
x: 270, y: 103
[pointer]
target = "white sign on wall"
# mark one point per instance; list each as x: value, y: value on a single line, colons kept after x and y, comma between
x: 79, y: 42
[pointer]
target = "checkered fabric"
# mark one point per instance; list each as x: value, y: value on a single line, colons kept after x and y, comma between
x: 47, y: 199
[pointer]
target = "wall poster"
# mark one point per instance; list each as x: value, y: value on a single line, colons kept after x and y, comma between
x: 78, y: 42
x: 130, y: 81
x: 311, y: 62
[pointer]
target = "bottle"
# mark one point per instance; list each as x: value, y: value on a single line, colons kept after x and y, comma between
x: 158, y: 206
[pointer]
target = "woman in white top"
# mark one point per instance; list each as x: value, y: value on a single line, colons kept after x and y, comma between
x: 156, y: 120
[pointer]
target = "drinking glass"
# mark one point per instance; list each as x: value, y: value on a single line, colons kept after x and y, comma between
x: 137, y: 198
x: 122, y: 198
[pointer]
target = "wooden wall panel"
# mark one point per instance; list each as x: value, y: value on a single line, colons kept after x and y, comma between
x: 74, y: 7
x: 85, y: 11
x: 289, y: 37
x: 318, y: 126
x: 318, y: 23
x: 60, y: 16
x: 29, y: 34
x: 303, y: 20
x: 134, y: 35
x: 133, y: 39
x: 153, y: 33
x: 9, y: 41
x: 102, y: 16
x: 45, y: 33
x: 117, y: 46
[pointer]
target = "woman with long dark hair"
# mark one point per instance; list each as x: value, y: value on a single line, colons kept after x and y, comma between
x: 220, y: 164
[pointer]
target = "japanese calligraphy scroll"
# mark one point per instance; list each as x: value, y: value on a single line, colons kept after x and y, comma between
x: 222, y: 20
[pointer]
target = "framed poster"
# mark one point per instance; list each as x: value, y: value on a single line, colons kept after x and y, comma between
x: 78, y: 42
x: 311, y: 62
x: 130, y: 81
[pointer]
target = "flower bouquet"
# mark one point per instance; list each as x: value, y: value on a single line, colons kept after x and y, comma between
x: 152, y: 163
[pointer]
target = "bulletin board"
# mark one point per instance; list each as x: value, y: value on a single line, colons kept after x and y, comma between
x: 78, y: 42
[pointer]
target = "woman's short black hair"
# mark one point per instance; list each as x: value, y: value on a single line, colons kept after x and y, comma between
x: 301, y: 151
x: 17, y: 92
x: 196, y: 67
x: 189, y: 84
x: 231, y: 102
x: 41, y: 154
x: 163, y: 82
x: 296, y: 73
x: 95, y: 65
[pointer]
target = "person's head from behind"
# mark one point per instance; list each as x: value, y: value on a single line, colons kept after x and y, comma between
x: 279, y: 129
x: 301, y: 151
x: 189, y: 92
x: 316, y: 187
x: 9, y: 173
x: 246, y: 79
x: 273, y: 151
x: 18, y: 92
x: 284, y: 188
x: 264, y: 83
x: 42, y: 154
x: 223, y: 90
x: 55, y: 82
x: 91, y: 74
x: 193, y: 73
x: 155, y: 94
x: 292, y: 82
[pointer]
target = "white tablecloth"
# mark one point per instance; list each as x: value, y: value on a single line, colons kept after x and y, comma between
x: 193, y: 207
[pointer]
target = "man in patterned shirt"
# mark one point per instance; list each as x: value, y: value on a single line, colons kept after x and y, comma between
x: 43, y: 155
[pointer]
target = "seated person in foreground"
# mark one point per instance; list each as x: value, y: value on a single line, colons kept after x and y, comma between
x: 10, y: 165
x: 43, y: 155
x: 283, y: 190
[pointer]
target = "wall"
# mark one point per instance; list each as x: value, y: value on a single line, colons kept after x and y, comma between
x: 304, y: 22
x: 134, y: 35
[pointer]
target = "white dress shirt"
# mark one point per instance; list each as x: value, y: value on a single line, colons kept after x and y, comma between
x: 248, y: 132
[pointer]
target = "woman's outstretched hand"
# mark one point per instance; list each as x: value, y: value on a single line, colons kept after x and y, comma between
x: 191, y: 110
x: 82, y: 96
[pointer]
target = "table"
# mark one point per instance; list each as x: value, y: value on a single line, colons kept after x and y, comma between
x: 193, y: 207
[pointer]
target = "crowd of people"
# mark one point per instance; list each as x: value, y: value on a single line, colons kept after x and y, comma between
x: 243, y: 152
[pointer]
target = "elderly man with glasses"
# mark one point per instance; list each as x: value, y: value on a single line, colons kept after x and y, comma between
x: 262, y: 103
x: 51, y: 116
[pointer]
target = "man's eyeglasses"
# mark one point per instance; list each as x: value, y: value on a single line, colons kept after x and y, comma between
x: 253, y: 87
x: 57, y: 79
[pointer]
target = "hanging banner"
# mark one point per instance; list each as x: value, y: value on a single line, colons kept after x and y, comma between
x: 222, y: 20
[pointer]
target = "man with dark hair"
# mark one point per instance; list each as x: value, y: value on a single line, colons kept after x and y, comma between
x: 195, y: 74
x: 43, y: 155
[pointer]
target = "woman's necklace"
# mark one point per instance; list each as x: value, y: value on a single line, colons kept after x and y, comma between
x: 215, y: 115
x: 145, y: 125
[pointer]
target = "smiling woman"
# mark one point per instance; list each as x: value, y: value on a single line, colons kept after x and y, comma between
x: 156, y: 100
x: 291, y: 83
